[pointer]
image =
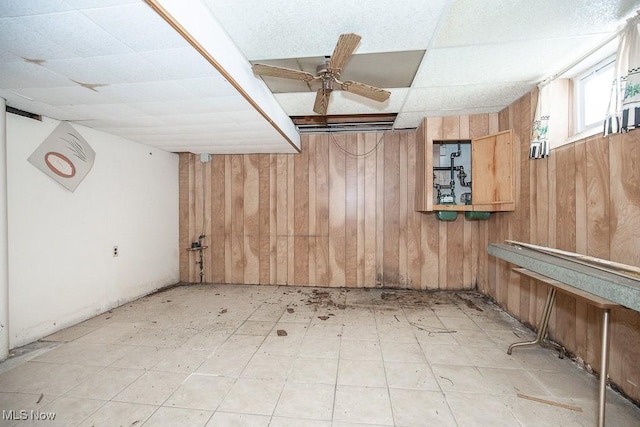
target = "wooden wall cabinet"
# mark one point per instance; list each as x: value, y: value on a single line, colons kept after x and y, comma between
x: 492, y: 173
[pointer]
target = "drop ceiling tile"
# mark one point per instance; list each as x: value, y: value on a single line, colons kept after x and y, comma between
x: 14, y: 75
x: 112, y: 69
x: 57, y: 96
x: 12, y: 8
x: 465, y: 96
x: 213, y: 86
x: 526, y: 60
x: 472, y: 22
x: 147, y: 91
x: 312, y: 29
x: 408, y: 120
x: 76, y: 32
x: 180, y: 63
x: 92, y: 4
x: 138, y: 26
x: 19, y: 38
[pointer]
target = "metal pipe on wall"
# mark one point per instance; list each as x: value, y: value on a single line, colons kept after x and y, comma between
x: 4, y: 236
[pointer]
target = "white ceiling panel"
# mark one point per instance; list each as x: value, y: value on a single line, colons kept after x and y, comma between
x: 22, y: 74
x: 472, y: 22
x: 137, y: 26
x: 77, y: 33
x: 155, y: 87
x: 13, y: 8
x: 112, y: 69
x: 457, y: 97
x: 179, y: 63
x: 277, y: 29
x: 22, y: 40
x: 507, y: 62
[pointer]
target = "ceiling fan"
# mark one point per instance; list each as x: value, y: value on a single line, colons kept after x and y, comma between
x: 328, y: 74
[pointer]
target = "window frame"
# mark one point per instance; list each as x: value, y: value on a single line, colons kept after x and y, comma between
x: 579, y: 125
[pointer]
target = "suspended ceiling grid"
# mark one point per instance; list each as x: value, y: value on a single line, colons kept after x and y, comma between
x: 117, y: 66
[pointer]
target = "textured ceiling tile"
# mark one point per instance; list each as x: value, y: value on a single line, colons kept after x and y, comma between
x: 112, y: 69
x: 180, y: 63
x: 19, y: 38
x: 409, y: 120
x: 77, y: 33
x: 275, y: 29
x: 214, y: 86
x: 146, y: 91
x: 68, y: 95
x: 137, y: 26
x: 9, y: 8
x: 527, y: 60
x: 92, y: 4
x: 457, y: 97
x: 22, y: 74
x: 472, y: 22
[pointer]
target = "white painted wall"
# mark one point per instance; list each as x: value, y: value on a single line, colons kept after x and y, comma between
x: 61, y: 267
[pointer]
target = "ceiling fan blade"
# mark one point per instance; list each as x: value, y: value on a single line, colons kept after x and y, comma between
x: 366, y: 90
x: 322, y: 101
x: 285, y: 73
x: 347, y: 44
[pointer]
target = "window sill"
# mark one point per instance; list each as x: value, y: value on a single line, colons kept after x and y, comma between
x: 577, y: 137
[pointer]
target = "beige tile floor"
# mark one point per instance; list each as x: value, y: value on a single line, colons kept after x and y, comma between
x: 211, y: 355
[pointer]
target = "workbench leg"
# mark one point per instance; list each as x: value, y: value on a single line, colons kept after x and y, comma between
x: 542, y: 329
x: 604, y: 365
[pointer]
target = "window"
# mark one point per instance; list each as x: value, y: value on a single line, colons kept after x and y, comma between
x: 592, y: 93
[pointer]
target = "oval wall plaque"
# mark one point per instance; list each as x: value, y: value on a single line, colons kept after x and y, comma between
x: 60, y: 164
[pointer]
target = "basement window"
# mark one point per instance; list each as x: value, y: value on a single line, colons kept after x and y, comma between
x: 592, y: 90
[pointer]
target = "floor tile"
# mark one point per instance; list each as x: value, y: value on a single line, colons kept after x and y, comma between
x: 119, y: 414
x: 201, y: 392
x: 69, y: 411
x: 182, y: 360
x: 252, y: 327
x: 172, y: 417
x: 368, y: 373
x: 314, y: 370
x: 410, y: 376
x: 85, y: 354
x: 402, y: 352
x: 152, y: 388
x: 360, y: 350
x: 227, y: 364
x: 227, y: 419
x: 420, y: 408
x: 297, y: 422
x: 362, y: 405
x: 142, y: 357
x: 320, y: 347
x: 418, y: 359
x: 312, y: 401
x: 481, y: 410
x: 106, y: 383
x: 445, y: 354
x: 268, y: 367
x: 252, y: 396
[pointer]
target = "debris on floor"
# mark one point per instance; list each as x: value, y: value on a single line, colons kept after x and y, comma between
x: 281, y: 333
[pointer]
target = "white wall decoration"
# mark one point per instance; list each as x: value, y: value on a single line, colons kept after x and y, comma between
x: 64, y: 156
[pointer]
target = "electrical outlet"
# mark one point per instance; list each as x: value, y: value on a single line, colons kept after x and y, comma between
x: 115, y: 251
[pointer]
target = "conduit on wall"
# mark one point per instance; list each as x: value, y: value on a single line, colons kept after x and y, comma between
x: 4, y: 239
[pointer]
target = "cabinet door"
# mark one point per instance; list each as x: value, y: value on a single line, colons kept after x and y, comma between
x: 493, y: 170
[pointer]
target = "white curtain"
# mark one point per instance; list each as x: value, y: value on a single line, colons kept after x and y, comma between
x: 623, y: 113
x: 539, y: 147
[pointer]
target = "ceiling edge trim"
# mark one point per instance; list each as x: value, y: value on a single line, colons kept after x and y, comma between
x: 171, y: 20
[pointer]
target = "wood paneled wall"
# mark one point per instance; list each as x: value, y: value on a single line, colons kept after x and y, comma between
x: 340, y: 213
x: 584, y: 198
